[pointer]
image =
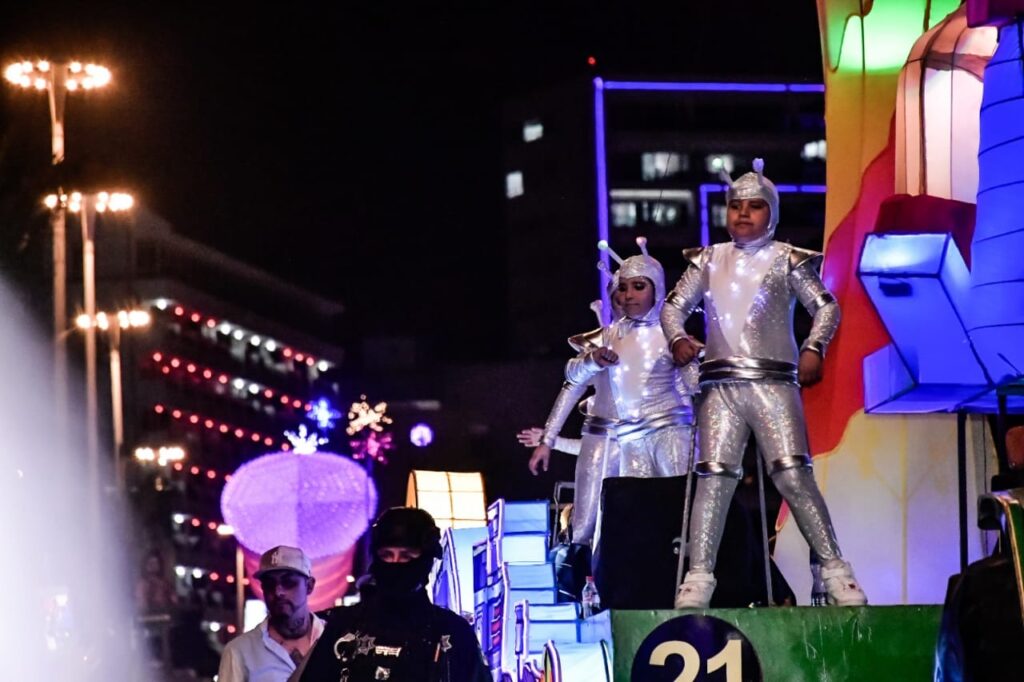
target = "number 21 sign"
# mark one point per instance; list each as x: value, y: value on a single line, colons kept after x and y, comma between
x: 696, y: 649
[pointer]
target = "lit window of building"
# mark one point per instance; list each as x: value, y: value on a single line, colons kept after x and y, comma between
x: 533, y: 130
x: 514, y: 184
x: 814, y: 150
x: 623, y: 214
x: 661, y: 212
x: 718, y: 215
x: 656, y: 165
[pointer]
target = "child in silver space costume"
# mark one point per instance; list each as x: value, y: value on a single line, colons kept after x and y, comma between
x: 651, y: 398
x: 750, y: 379
x: 597, y: 449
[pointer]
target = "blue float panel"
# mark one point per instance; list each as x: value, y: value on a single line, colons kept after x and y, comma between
x: 453, y: 584
x: 919, y: 285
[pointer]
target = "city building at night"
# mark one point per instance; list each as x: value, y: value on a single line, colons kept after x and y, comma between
x: 232, y: 358
x: 619, y: 158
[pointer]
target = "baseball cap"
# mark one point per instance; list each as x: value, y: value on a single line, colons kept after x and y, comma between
x: 284, y: 558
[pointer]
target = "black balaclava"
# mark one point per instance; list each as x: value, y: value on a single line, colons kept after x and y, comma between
x: 404, y: 527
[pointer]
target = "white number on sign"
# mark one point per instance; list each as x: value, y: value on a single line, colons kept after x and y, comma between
x: 691, y: 658
x: 730, y: 657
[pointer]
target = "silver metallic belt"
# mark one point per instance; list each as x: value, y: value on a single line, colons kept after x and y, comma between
x: 598, y: 426
x: 633, y: 430
x: 747, y: 369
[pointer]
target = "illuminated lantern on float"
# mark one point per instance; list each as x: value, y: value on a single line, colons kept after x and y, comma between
x: 318, y: 501
x: 937, y: 108
x: 959, y: 138
x: 454, y: 499
x: 915, y: 267
x: 873, y: 471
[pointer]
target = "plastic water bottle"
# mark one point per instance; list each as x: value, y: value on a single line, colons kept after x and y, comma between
x: 590, y: 598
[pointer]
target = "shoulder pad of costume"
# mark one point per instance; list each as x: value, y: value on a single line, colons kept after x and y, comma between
x: 798, y: 257
x: 694, y: 256
x: 587, y: 340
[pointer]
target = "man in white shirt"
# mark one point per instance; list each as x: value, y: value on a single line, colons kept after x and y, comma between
x: 271, y: 651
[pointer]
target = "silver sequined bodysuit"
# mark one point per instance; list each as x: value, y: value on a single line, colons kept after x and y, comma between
x: 749, y: 379
x: 651, y: 398
x: 598, y: 454
x: 749, y: 296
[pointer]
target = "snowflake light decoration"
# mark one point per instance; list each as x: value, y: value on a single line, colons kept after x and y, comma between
x: 372, y: 447
x: 303, y: 442
x: 361, y: 415
x: 324, y: 414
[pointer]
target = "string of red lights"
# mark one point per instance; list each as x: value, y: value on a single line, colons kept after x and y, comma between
x: 173, y: 364
x: 219, y: 527
x: 210, y: 474
x: 241, y: 334
x: 197, y: 420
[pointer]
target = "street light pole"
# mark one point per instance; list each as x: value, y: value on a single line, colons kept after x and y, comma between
x: 122, y: 320
x: 57, y: 91
x: 89, y: 205
x: 57, y: 96
x: 92, y: 425
x: 115, y: 405
x: 57, y: 78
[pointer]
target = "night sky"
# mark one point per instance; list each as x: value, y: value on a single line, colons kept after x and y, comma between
x: 354, y: 151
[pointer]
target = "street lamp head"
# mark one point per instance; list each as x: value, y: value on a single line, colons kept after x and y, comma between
x: 42, y: 74
x: 115, y: 202
x: 145, y: 455
x: 99, y: 321
x: 18, y: 74
x: 118, y: 201
x: 164, y: 456
x: 87, y: 76
x: 96, y: 76
x: 133, y: 319
x: 126, y: 319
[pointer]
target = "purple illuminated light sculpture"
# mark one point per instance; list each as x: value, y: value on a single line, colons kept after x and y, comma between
x: 319, y: 501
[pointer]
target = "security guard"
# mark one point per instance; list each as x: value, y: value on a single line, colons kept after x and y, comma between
x: 395, y: 633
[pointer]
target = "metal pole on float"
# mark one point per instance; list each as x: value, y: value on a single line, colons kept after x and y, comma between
x: 764, y: 530
x: 961, y: 480
x: 683, y: 540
